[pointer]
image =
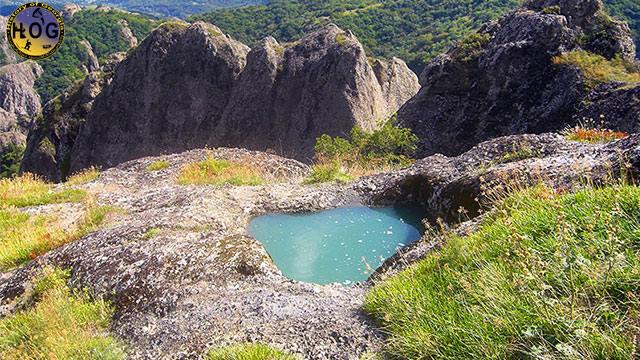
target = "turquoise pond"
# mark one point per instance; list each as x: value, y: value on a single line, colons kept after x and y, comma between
x: 336, y: 246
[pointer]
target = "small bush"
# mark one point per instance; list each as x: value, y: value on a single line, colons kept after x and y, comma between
x: 327, y: 172
x: 220, y: 172
x: 62, y: 324
x: 157, y: 166
x: 470, y: 47
x: 249, y: 352
x: 83, y: 177
x: 597, y: 69
x: 28, y: 190
x: 363, y: 153
x: 10, y: 158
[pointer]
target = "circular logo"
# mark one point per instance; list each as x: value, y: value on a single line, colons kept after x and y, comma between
x: 35, y: 30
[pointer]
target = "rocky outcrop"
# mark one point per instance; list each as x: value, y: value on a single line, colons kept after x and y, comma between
x: 68, y: 10
x: 287, y: 96
x: 187, y: 86
x: 164, y: 98
x: 7, y: 55
x: 462, y: 187
x: 127, y: 34
x: 503, y: 80
x: 19, y: 101
x: 200, y: 280
x: 92, y: 60
x: 51, y: 138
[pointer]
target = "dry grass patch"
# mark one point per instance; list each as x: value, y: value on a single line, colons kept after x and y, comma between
x: 29, y: 190
x: 597, y: 69
x: 157, y: 166
x: 61, y: 324
x: 24, y: 237
x: 219, y: 172
x: 594, y: 136
x: 83, y: 177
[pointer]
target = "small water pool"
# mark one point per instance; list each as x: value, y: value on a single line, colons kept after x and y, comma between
x: 340, y: 245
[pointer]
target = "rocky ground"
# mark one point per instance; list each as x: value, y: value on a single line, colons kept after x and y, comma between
x: 200, y: 280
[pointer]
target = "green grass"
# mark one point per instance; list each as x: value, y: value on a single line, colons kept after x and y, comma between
x: 24, y: 237
x: 547, y: 277
x: 157, y: 166
x: 220, y: 172
x: 519, y: 152
x: 151, y: 233
x: 61, y: 324
x: 327, y: 172
x: 27, y: 190
x: 83, y: 177
x: 597, y: 69
x: 248, y: 352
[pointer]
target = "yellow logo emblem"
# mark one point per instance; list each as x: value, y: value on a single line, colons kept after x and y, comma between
x: 35, y: 30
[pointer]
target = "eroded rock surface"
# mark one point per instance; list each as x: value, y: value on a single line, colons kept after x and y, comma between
x: 19, y: 102
x: 199, y: 279
x: 504, y: 81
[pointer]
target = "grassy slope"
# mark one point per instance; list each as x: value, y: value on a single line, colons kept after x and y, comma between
x: 61, y: 324
x: 414, y: 30
x: 549, y: 276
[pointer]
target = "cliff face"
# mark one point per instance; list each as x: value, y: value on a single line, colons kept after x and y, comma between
x: 165, y: 97
x: 503, y: 80
x: 287, y: 96
x: 187, y: 86
x: 18, y: 99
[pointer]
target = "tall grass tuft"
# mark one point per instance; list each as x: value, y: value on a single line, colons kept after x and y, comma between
x: 62, y: 324
x: 249, y: 352
x: 547, y: 276
x: 29, y: 190
x: 597, y: 69
x: 218, y: 172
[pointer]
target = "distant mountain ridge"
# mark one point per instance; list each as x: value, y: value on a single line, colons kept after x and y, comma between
x: 164, y: 8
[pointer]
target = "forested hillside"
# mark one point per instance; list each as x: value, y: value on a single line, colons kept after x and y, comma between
x: 165, y: 8
x: 102, y: 29
x: 415, y: 30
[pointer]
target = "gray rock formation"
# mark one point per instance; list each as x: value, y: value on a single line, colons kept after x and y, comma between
x: 92, y: 62
x: 127, y: 34
x: 50, y: 140
x: 68, y: 10
x: 7, y: 55
x: 165, y: 97
x: 503, y: 80
x: 323, y: 84
x: 19, y: 101
x: 187, y: 87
